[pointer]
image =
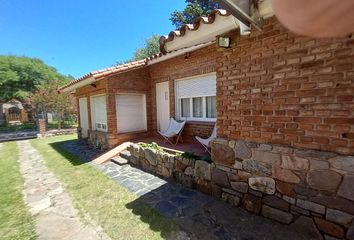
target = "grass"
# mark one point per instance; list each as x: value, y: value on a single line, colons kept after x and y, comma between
x: 15, y: 221
x: 119, y: 212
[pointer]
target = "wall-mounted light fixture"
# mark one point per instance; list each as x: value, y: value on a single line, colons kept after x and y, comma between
x: 246, y: 12
x: 224, y: 42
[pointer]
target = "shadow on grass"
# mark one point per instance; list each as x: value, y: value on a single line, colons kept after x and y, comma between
x: 201, y: 216
x: 76, y: 151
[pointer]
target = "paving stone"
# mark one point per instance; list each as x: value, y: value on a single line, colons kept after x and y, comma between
x: 330, y: 228
x: 346, y: 189
x: 203, y: 217
x: 167, y: 209
x: 54, y: 214
x: 350, y: 232
x: 306, y: 224
x: 119, y: 160
x: 277, y: 214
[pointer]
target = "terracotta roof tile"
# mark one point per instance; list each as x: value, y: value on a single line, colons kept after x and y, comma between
x: 99, y: 74
x: 191, y: 27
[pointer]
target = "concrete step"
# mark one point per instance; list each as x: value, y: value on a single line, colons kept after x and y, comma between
x: 125, y: 154
x: 119, y: 160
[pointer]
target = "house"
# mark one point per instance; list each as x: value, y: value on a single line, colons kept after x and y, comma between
x: 283, y: 104
x: 13, y: 112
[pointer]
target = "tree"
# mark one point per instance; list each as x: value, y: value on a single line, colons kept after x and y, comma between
x: 20, y: 76
x: 194, y: 9
x: 150, y: 48
x: 48, y: 99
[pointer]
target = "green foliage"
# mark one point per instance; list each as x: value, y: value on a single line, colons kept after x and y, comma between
x: 194, y: 9
x: 151, y: 47
x: 20, y: 76
x: 15, y: 128
x: 191, y: 155
x: 153, y: 146
x: 48, y: 99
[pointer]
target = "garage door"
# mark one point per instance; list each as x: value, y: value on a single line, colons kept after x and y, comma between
x: 131, y: 113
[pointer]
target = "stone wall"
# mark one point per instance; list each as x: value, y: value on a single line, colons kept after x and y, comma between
x: 281, y: 183
x: 98, y: 139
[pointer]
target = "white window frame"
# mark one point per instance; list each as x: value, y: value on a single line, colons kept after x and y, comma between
x: 98, y: 126
x: 178, y: 102
x: 144, y: 107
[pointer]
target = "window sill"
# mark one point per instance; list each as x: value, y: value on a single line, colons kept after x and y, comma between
x: 135, y: 132
x: 211, y: 123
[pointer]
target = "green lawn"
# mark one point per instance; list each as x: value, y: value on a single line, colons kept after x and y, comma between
x: 15, y: 221
x: 106, y: 202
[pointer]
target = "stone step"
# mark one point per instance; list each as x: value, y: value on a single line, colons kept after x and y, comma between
x: 125, y: 154
x: 119, y: 160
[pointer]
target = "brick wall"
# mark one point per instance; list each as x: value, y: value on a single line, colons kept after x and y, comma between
x: 284, y: 89
x: 199, y: 62
x: 137, y: 81
x: 88, y: 91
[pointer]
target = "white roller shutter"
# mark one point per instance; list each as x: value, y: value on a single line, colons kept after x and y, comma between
x: 99, y: 112
x: 131, y: 113
x: 196, y: 87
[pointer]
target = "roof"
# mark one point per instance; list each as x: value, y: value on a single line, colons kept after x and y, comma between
x: 191, y: 27
x: 187, y: 38
x: 99, y: 74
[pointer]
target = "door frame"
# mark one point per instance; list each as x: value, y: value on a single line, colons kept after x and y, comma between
x: 158, y: 102
x: 84, y: 135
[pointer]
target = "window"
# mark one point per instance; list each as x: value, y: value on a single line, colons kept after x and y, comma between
x: 196, y: 98
x: 99, y: 113
x: 131, y: 113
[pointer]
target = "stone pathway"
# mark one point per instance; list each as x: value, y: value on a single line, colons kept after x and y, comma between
x: 199, y: 216
x: 49, y: 204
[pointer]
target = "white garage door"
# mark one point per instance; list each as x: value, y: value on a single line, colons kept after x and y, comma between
x: 131, y: 113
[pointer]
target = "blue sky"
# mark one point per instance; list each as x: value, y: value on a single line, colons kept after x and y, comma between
x: 79, y: 36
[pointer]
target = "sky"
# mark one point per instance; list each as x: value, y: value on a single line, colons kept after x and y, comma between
x: 79, y: 36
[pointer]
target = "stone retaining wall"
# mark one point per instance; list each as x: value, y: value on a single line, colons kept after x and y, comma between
x: 278, y: 182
